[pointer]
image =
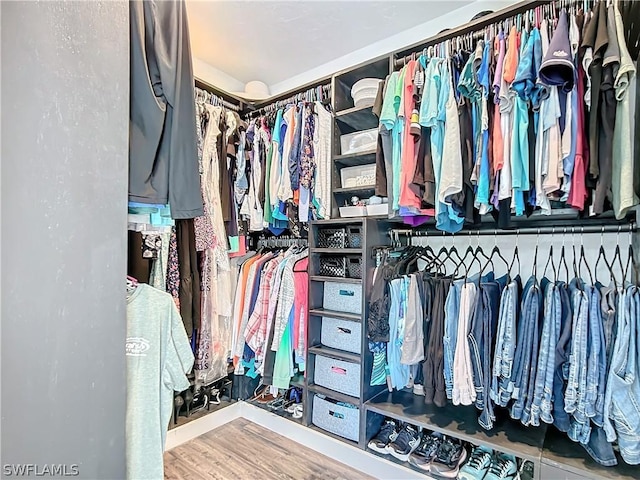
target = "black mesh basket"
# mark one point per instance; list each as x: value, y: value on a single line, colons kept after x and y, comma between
x: 354, y: 237
x: 332, y: 266
x: 332, y: 238
x: 354, y: 267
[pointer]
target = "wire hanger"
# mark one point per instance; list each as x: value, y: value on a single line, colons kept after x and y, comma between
x: 516, y: 255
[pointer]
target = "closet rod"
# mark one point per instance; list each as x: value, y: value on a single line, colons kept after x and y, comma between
x: 474, y: 26
x: 302, y: 95
x: 227, y: 100
x: 620, y: 228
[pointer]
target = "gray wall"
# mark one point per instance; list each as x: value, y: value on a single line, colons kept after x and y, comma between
x: 65, y: 103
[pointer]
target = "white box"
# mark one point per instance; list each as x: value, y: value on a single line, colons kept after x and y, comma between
x: 361, y: 141
x: 379, y: 209
x: 353, y: 211
x: 360, y: 176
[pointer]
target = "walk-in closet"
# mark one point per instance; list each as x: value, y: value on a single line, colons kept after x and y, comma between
x: 321, y: 239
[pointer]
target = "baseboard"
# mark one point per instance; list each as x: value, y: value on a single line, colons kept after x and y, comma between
x: 184, y: 433
x: 349, y: 455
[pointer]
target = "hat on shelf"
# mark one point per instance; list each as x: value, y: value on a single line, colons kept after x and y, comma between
x: 254, y: 90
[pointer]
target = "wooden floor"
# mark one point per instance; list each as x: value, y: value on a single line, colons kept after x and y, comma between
x: 243, y: 450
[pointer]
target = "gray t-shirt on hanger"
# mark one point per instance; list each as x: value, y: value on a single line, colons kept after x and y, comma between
x: 158, y: 358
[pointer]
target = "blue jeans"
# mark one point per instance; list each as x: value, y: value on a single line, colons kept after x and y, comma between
x: 526, y: 352
x: 560, y: 417
x: 505, y: 343
x: 399, y: 373
x: 597, y: 363
x: 623, y: 386
x: 577, y: 380
x: 452, y: 310
x: 484, y: 333
x: 541, y: 406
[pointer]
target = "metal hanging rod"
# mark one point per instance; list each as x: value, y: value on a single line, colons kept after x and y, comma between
x: 215, y: 99
x: 620, y: 228
x: 224, y: 98
x: 319, y: 93
x: 522, y: 13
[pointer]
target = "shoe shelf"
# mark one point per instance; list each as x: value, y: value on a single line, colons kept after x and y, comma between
x: 462, y: 423
x: 561, y: 453
x: 277, y: 411
x: 411, y: 471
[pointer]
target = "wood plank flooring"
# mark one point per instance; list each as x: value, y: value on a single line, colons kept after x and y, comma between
x: 242, y: 450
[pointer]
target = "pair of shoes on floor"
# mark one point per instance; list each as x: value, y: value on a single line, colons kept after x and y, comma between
x: 439, y: 455
x: 484, y: 464
x: 396, y: 439
x: 296, y: 410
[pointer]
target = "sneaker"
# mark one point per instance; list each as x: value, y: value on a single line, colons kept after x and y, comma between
x: 426, y: 451
x: 418, y: 389
x: 526, y: 471
x: 405, y: 443
x: 477, y: 466
x: 450, y: 455
x: 387, y: 434
x: 504, y: 467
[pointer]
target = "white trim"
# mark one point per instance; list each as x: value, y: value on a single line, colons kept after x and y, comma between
x: 189, y: 431
x: 341, y: 452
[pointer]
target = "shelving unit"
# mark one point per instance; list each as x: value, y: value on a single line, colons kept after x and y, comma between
x: 371, y: 235
x: 349, y: 119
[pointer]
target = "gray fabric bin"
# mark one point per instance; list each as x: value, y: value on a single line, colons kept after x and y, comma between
x: 338, y: 375
x: 341, y: 334
x: 334, y: 418
x: 342, y: 297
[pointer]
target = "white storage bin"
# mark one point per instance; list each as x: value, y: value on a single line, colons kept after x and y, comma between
x: 338, y: 375
x: 336, y: 418
x: 364, y: 91
x: 341, y: 334
x: 379, y: 209
x: 342, y: 297
x: 360, y: 176
x: 360, y: 211
x: 361, y: 141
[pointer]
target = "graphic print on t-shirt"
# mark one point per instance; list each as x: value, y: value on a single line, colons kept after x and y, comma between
x: 137, y: 346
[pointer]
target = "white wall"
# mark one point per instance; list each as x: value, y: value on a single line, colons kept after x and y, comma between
x: 208, y: 73
x: 419, y: 33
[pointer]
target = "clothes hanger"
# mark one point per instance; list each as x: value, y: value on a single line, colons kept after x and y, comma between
x: 496, y: 251
x: 563, y: 260
x: 468, y: 251
x: 516, y: 255
x: 535, y: 257
x: 631, y: 261
x: 583, y: 260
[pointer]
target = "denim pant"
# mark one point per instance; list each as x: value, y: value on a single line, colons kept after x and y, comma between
x: 560, y: 417
x: 505, y: 343
x: 623, y: 386
x: 543, y: 388
x: 577, y: 381
x: 481, y: 337
x: 399, y: 373
x: 596, y: 363
x: 526, y: 352
x: 452, y: 310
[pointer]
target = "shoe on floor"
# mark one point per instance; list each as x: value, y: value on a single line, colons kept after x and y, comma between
x: 426, y: 451
x: 387, y: 434
x: 418, y: 389
x: 450, y: 455
x: 405, y: 443
x: 503, y: 467
x: 478, y: 465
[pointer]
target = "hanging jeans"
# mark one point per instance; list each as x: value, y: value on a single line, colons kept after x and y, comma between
x: 541, y: 406
x: 526, y: 352
x: 505, y: 343
x: 560, y: 416
x: 399, y: 373
x: 623, y: 386
x: 452, y: 310
x: 480, y: 341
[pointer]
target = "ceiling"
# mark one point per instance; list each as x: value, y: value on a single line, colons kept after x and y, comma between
x: 273, y: 41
